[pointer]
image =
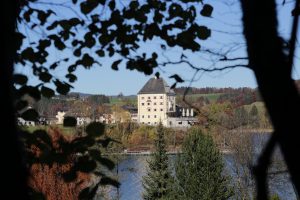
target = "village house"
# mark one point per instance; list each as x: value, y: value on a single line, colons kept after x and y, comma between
x: 157, y: 102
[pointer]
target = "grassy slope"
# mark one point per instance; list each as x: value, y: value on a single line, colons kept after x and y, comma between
x: 65, y: 130
x: 133, y: 99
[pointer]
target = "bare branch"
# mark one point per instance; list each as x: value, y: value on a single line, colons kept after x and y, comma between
x: 203, y: 68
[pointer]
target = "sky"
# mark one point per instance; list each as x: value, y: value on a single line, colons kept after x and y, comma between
x: 225, y: 24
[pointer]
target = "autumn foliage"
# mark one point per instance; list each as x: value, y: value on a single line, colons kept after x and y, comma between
x: 47, y: 178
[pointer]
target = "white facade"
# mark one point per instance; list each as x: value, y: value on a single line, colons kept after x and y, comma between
x: 153, y: 108
x: 157, y: 103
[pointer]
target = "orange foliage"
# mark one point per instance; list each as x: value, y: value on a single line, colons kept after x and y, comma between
x: 48, y: 179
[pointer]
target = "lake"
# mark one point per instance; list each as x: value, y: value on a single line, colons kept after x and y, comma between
x: 131, y: 168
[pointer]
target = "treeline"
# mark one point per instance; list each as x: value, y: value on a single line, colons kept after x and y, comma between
x: 89, y: 106
x: 210, y: 90
x: 243, y: 97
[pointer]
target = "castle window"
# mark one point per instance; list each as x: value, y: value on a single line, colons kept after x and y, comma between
x: 148, y: 116
x: 142, y: 116
x: 148, y: 122
x: 161, y: 109
x: 154, y: 97
x: 143, y: 104
x: 154, y: 116
x: 179, y: 122
x: 149, y: 109
x: 148, y: 104
x: 148, y: 97
x: 161, y: 97
x: 161, y: 103
x: 154, y: 103
x: 155, y: 123
x: 143, y: 98
x: 154, y: 109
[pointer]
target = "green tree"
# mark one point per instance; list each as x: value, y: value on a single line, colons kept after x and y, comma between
x: 199, y: 169
x: 254, y: 118
x: 157, y: 182
x: 241, y: 117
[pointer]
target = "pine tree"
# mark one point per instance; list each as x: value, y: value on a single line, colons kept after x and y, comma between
x: 199, y: 169
x: 254, y: 116
x: 157, y: 182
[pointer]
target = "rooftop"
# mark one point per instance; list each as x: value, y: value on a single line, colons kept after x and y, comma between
x: 156, y: 86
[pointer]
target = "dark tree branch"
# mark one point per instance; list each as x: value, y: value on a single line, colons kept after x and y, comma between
x: 260, y: 171
x: 203, y: 68
x: 13, y: 170
x: 292, y: 42
x: 271, y: 68
x: 233, y: 59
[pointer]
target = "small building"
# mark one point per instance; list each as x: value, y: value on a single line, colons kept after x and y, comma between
x: 60, y: 117
x: 23, y: 122
x: 83, y: 121
x: 133, y: 112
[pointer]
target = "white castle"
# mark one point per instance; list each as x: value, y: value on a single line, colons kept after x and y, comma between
x: 157, y: 102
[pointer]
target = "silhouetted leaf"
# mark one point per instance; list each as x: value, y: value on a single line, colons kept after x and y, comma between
x: 115, y: 64
x: 47, y: 92
x: 95, y: 129
x: 20, y: 79
x: 30, y: 115
x: 112, y: 4
x: 70, y: 175
x: 35, y: 195
x: 100, y: 53
x: 45, y: 77
x: 54, y: 65
x: 72, y: 78
x: 31, y: 91
x: 21, y: 104
x: 70, y: 121
x: 43, y: 136
x: 62, y: 87
x: 85, y: 165
x: 106, y: 162
x: 28, y: 54
x: 84, y: 194
x: 203, y: 32
x: 109, y: 181
x: 87, y: 61
x: 177, y: 78
x: 88, y: 6
x: 206, y: 10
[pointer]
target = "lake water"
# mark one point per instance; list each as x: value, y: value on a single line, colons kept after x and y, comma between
x: 132, y: 168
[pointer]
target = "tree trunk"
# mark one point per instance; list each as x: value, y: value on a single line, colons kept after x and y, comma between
x: 14, y: 176
x: 273, y: 74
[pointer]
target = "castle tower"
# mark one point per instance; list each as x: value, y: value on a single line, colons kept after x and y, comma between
x: 155, y: 100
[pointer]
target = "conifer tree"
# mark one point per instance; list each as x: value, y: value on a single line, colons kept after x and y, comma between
x: 199, y: 169
x: 254, y: 117
x: 157, y: 182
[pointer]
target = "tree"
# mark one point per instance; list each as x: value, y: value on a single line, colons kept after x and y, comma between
x: 271, y: 61
x: 241, y: 117
x: 199, y: 170
x: 254, y: 117
x: 68, y: 162
x: 243, y: 148
x: 157, y: 182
